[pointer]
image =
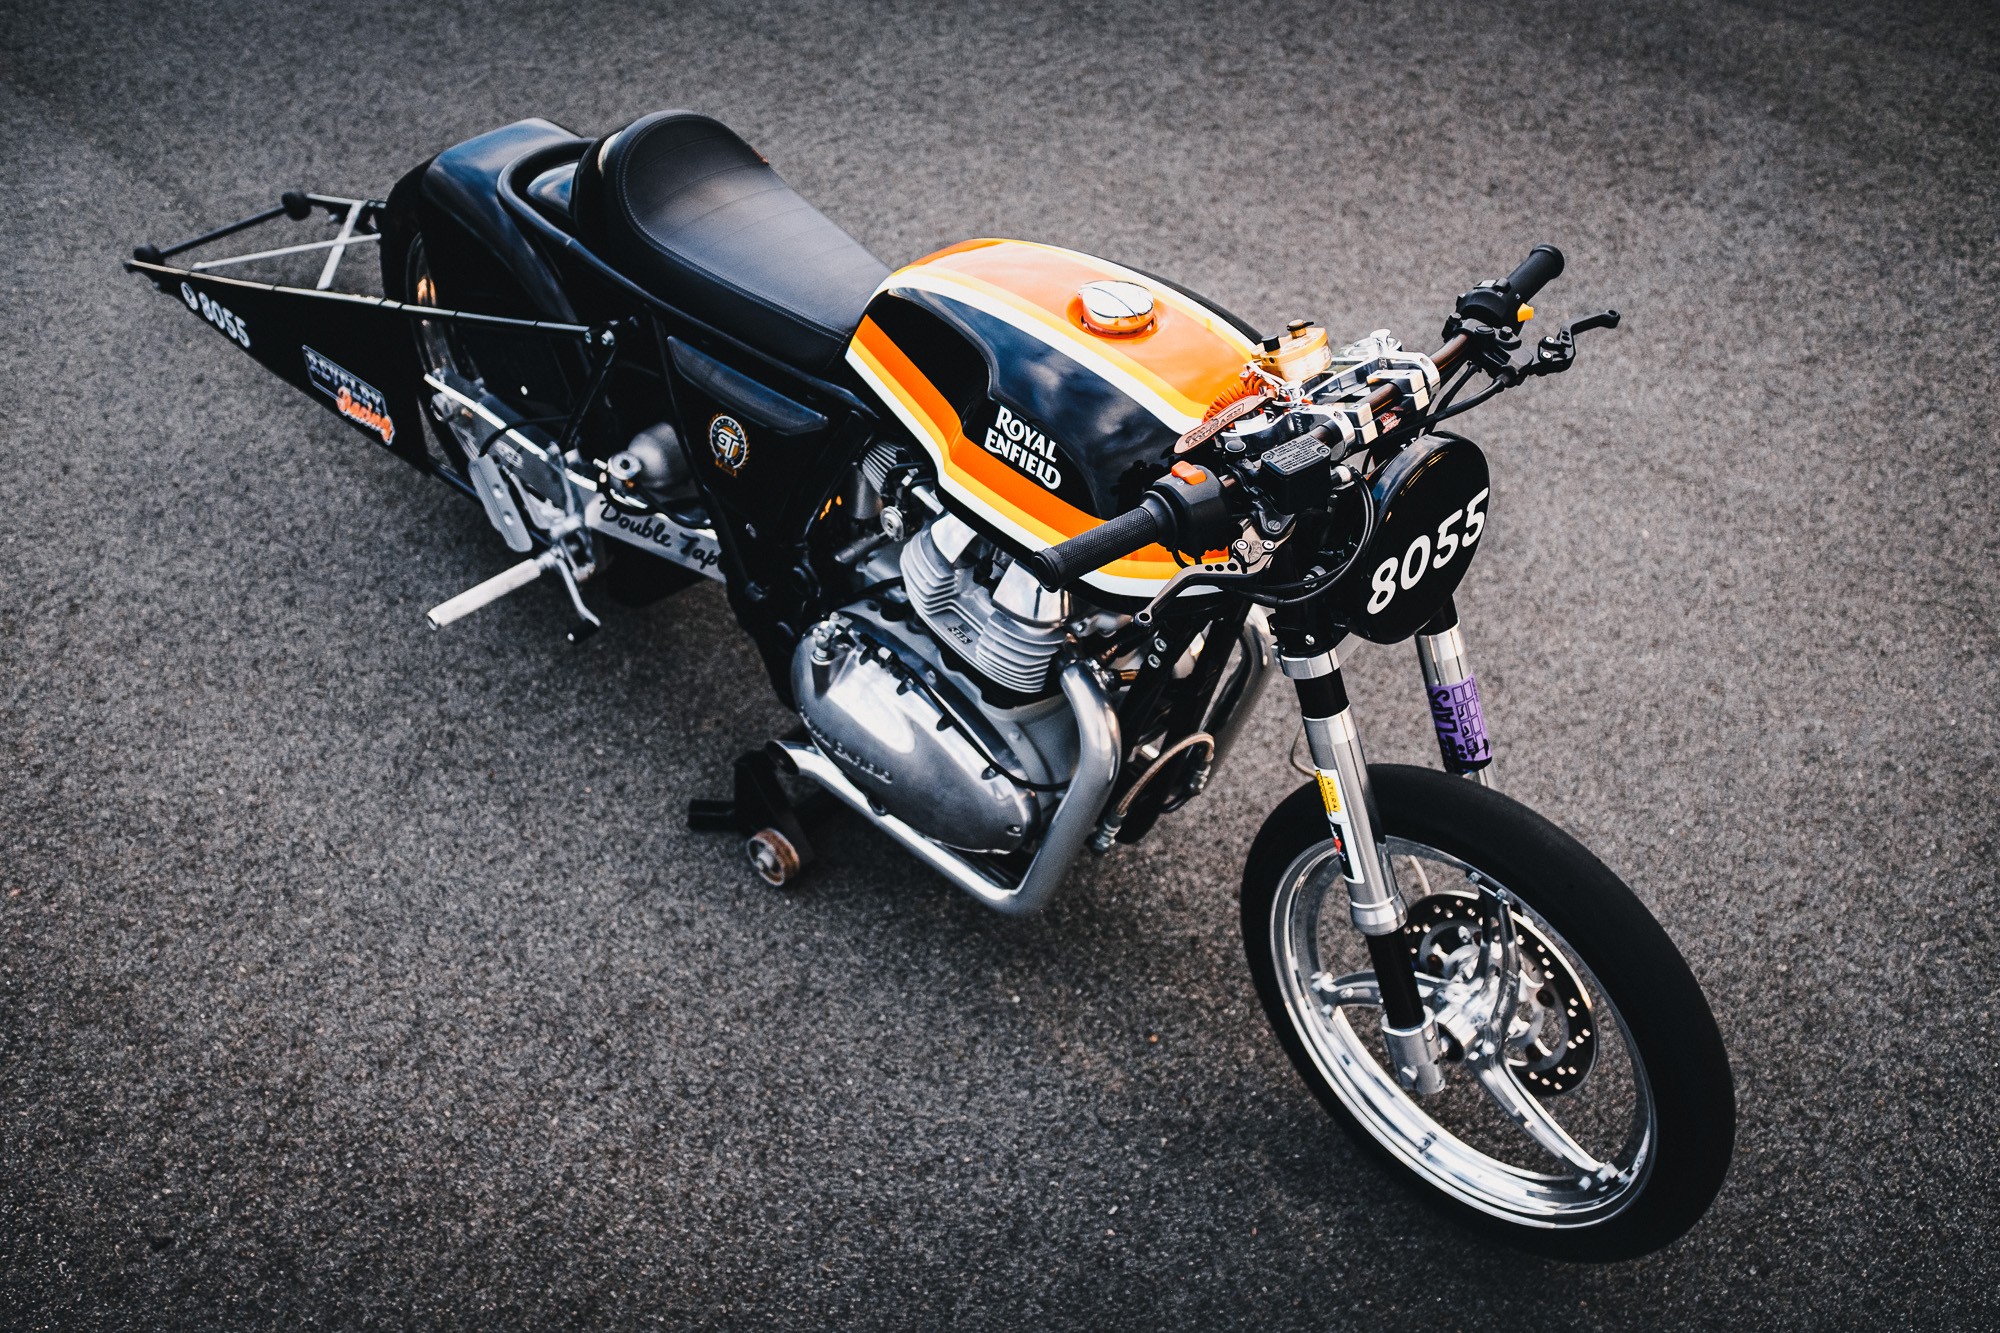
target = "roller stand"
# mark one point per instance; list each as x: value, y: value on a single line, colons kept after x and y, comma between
x: 764, y: 815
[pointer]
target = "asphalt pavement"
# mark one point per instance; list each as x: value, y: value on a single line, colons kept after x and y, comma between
x: 353, y: 975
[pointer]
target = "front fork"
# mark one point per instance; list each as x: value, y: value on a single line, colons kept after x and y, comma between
x: 1454, y: 696
x: 1374, y: 902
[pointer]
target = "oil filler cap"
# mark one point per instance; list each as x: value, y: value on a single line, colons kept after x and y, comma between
x: 1116, y: 307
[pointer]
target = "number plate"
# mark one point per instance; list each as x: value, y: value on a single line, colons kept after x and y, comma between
x: 1430, y: 502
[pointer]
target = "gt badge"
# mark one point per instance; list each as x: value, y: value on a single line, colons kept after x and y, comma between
x: 729, y: 443
x: 353, y: 397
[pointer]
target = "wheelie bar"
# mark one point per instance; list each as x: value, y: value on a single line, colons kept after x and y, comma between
x: 1408, y: 1030
x: 1454, y: 698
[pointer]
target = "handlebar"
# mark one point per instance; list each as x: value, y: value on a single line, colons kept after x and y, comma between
x: 1543, y: 266
x: 1186, y: 510
x: 1114, y: 539
x: 1164, y: 512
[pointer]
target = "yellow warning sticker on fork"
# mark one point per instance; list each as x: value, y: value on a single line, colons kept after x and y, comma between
x: 1336, y: 822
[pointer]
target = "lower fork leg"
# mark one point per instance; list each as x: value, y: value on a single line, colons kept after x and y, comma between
x: 1375, y: 905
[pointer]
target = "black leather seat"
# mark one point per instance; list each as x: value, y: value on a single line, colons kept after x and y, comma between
x: 686, y: 209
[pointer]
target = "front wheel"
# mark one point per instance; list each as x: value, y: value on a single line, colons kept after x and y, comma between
x: 1588, y: 1111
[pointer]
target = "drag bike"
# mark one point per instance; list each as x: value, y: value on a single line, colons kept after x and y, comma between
x: 1018, y: 533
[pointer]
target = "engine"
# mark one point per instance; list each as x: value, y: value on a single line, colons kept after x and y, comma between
x: 941, y: 707
x: 1009, y: 632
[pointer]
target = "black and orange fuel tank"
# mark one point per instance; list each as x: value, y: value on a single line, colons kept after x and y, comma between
x: 1047, y: 386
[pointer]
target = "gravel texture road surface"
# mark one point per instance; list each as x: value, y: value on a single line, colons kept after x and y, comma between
x: 353, y: 975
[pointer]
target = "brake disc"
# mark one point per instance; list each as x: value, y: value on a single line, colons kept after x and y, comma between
x: 1552, y: 1037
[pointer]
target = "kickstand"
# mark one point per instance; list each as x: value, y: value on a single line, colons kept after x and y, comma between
x: 758, y: 807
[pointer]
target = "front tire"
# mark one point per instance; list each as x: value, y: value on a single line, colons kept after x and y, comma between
x: 1599, y: 1125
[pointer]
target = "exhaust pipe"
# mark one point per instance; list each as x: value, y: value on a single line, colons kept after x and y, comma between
x: 1075, y: 816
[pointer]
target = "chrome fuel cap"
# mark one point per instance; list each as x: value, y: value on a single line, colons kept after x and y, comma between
x: 1116, y: 306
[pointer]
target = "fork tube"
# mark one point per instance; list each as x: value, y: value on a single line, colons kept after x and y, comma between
x: 1454, y: 697
x: 1335, y: 745
x: 1373, y: 901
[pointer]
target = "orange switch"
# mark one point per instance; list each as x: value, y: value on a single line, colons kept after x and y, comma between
x: 1189, y: 473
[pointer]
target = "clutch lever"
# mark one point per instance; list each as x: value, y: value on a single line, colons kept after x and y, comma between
x: 1248, y: 555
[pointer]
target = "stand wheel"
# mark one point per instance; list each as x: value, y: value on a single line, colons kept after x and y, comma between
x: 773, y: 857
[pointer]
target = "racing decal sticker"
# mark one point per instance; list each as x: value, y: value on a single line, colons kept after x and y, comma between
x: 1422, y: 555
x: 1340, y: 852
x: 729, y: 443
x: 1027, y: 448
x: 217, y: 314
x: 1461, y: 725
x: 353, y: 397
x: 1336, y: 822
x: 658, y: 534
x: 1329, y: 791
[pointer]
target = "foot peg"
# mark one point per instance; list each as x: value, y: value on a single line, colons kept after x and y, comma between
x: 512, y: 580
x: 491, y: 591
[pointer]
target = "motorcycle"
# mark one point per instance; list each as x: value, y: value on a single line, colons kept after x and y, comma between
x: 1018, y: 533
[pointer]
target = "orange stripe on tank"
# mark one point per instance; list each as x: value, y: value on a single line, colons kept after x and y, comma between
x: 1047, y: 516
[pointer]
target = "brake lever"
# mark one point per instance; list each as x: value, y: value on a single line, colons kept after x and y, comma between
x: 1554, y: 353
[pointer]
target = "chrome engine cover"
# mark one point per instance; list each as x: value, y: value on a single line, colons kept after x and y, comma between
x: 876, y: 712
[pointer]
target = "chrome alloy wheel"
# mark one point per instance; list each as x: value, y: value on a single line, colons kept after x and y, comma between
x: 1546, y: 1118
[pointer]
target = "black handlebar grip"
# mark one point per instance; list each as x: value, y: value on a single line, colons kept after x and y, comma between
x: 1113, y: 539
x: 1543, y: 266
